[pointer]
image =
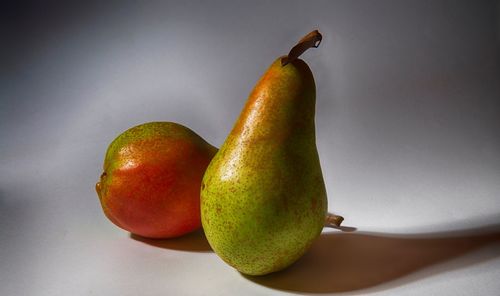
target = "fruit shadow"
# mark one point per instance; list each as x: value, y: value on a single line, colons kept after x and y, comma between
x: 343, y: 262
x: 192, y: 242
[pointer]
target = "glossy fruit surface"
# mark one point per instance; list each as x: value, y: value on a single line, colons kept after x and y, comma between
x: 263, y: 197
x: 151, y: 180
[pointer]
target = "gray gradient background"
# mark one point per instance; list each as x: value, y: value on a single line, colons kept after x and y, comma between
x: 408, y: 131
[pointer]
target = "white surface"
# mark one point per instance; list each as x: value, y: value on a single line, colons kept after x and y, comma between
x: 407, y: 127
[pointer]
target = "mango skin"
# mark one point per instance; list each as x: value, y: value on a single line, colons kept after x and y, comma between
x: 151, y: 180
x: 263, y: 197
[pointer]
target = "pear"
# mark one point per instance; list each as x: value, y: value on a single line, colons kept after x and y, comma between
x: 151, y: 179
x: 263, y: 198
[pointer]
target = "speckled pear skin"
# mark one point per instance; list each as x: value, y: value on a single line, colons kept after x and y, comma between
x: 151, y: 179
x: 263, y: 198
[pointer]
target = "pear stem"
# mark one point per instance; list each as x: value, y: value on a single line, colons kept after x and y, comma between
x: 333, y: 220
x: 312, y: 39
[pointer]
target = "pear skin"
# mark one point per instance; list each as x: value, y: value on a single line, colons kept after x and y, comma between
x: 151, y: 179
x: 263, y: 198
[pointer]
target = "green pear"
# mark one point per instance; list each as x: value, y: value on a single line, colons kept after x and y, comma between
x: 263, y: 198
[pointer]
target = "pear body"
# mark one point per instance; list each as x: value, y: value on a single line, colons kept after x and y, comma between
x: 151, y: 179
x: 263, y: 198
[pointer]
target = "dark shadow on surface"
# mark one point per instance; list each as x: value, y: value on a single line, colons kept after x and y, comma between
x: 341, y: 262
x: 343, y: 228
x: 191, y: 242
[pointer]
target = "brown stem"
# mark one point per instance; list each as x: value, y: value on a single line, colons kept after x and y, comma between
x: 333, y: 220
x: 312, y: 39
